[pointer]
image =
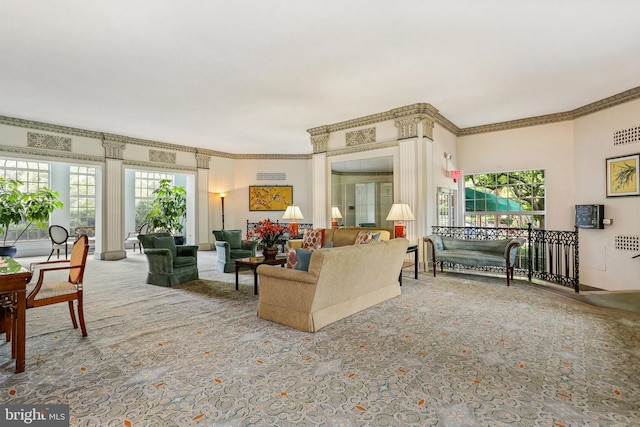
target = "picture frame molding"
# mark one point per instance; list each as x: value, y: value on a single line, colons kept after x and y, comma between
x: 613, y: 163
x: 257, y: 193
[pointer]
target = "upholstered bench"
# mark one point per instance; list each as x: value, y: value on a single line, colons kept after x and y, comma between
x: 474, y: 253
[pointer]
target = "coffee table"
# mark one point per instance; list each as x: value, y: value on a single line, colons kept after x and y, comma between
x: 253, y: 263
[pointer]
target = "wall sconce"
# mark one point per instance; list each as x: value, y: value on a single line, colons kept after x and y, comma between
x: 335, y: 215
x: 293, y: 213
x: 400, y: 212
x: 455, y: 174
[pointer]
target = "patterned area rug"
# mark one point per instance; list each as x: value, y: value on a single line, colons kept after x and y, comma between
x: 450, y: 351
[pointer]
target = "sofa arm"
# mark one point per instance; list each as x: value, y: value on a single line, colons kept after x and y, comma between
x: 294, y: 244
x: 160, y: 260
x: 286, y: 288
x: 223, y: 250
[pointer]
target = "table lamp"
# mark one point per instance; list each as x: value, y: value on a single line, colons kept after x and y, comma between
x: 400, y: 212
x: 335, y: 215
x: 293, y: 213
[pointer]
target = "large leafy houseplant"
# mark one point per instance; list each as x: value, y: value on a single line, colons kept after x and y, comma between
x: 22, y: 207
x: 169, y: 208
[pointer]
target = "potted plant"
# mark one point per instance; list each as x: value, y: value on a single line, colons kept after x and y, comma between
x: 21, y: 207
x: 169, y: 209
x: 269, y: 234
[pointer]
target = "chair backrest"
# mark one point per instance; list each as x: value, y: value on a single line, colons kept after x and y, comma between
x: 78, y: 258
x: 58, y: 234
x: 144, y: 228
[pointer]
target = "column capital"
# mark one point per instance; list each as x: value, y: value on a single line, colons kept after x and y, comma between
x: 320, y: 143
x: 113, y: 149
x: 203, y: 161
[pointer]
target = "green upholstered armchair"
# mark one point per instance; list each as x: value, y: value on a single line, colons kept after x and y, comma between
x: 169, y: 264
x: 230, y: 246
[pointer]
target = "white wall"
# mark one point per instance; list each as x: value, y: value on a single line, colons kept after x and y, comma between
x: 601, y: 265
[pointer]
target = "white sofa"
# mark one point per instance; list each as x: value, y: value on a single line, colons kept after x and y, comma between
x: 340, y: 282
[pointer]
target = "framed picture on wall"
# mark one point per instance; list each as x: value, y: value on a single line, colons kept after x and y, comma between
x: 270, y: 197
x: 622, y: 176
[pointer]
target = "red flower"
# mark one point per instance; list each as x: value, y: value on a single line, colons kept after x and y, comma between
x: 268, y: 232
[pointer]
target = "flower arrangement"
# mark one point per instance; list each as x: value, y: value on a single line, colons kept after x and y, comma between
x: 268, y: 233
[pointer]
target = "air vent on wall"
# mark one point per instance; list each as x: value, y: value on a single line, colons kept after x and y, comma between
x: 626, y: 136
x: 271, y: 176
x: 627, y: 243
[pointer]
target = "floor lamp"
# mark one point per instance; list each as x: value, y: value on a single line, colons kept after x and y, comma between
x: 222, y: 201
x: 293, y: 213
x: 400, y: 212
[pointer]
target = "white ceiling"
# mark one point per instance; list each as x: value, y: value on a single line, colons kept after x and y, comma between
x: 244, y: 76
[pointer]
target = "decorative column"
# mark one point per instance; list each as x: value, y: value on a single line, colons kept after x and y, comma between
x: 320, y: 177
x: 110, y: 225
x: 202, y: 202
x: 408, y: 162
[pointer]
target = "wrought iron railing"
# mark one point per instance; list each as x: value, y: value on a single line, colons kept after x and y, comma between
x: 547, y: 255
x: 301, y: 226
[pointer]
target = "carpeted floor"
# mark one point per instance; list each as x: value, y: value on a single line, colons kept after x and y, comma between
x: 450, y: 351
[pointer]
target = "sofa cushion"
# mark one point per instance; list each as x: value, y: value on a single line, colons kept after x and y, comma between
x: 165, y: 242
x: 234, y: 237
x: 304, y: 256
x: 365, y: 237
x: 184, y: 261
x: 327, y: 245
x: 313, y: 238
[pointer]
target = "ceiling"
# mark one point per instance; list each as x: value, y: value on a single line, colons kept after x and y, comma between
x: 250, y: 77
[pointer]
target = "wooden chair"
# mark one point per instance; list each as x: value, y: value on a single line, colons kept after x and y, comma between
x: 54, y: 291
x: 132, y: 237
x: 59, y: 239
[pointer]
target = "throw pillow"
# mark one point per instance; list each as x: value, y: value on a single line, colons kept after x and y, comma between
x: 234, y: 237
x: 328, y: 245
x: 313, y: 239
x: 292, y: 258
x: 165, y: 242
x: 304, y: 256
x: 365, y: 237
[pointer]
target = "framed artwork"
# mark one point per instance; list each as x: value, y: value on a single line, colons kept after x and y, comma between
x: 270, y: 197
x: 622, y: 176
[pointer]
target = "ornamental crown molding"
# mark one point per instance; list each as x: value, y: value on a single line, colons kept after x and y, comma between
x: 47, y: 154
x: 611, y: 101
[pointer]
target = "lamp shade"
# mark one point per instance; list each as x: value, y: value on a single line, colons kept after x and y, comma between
x: 292, y: 212
x: 335, y: 212
x: 400, y: 212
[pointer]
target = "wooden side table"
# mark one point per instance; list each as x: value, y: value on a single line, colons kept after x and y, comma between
x: 13, y: 291
x: 253, y: 263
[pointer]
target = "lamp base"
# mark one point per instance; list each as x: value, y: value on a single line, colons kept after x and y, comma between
x: 293, y: 226
x: 398, y: 230
x: 334, y: 224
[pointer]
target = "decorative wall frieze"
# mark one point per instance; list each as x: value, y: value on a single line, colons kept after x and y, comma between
x: 152, y: 165
x: 203, y: 161
x: 149, y: 143
x: 359, y: 137
x: 162, y: 156
x: 50, y: 142
x: 361, y: 148
x: 48, y: 155
x: 320, y: 143
x: 113, y: 149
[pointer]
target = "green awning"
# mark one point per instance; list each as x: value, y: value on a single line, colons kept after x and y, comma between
x: 481, y: 201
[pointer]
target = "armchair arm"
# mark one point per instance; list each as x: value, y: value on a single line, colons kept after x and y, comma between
x: 160, y: 260
x: 224, y: 250
x: 251, y: 245
x: 187, y: 250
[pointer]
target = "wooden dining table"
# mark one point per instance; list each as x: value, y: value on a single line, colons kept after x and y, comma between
x: 13, y: 296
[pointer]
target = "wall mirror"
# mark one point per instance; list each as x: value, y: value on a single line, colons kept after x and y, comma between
x: 362, y: 189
